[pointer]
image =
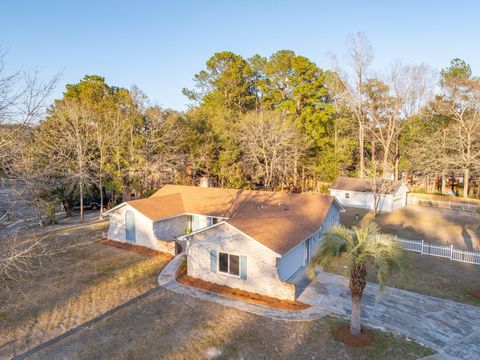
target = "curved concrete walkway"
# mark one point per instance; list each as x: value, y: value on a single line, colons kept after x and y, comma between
x: 450, y: 328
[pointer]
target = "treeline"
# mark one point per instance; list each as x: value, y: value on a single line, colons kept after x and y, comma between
x: 276, y: 123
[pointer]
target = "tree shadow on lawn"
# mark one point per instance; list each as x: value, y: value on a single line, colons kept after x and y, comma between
x: 169, y: 325
x: 437, y: 226
x: 63, y: 295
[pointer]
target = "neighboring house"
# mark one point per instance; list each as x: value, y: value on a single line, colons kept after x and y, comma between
x: 386, y: 195
x: 251, y: 240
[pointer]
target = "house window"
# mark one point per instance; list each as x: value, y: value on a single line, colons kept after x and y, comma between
x: 229, y: 264
x: 214, y: 221
x: 347, y: 196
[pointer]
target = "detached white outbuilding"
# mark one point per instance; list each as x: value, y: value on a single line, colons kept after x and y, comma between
x: 385, y: 195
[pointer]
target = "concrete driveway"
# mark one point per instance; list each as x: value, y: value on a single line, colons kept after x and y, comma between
x: 451, y: 328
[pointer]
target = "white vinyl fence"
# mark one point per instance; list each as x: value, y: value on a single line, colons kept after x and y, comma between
x: 447, y: 203
x: 444, y: 251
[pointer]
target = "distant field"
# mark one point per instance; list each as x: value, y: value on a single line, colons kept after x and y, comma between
x: 436, y: 225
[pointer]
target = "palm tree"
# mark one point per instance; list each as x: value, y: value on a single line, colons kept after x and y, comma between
x: 361, y: 246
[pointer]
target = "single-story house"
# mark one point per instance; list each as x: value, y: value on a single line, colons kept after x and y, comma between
x: 251, y: 240
x: 386, y: 195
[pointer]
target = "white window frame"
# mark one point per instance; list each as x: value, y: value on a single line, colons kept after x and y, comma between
x: 228, y: 273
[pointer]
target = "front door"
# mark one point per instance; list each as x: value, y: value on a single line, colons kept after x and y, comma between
x: 130, y: 226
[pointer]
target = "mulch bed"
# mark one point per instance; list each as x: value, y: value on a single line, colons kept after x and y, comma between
x: 182, y: 277
x: 343, y: 334
x: 475, y: 293
x: 138, y: 249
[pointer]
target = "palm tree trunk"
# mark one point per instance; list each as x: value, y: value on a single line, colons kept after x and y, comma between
x: 358, y: 281
x: 355, y: 322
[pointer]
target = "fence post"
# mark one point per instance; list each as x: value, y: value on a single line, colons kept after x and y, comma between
x: 422, y: 248
x: 451, y: 252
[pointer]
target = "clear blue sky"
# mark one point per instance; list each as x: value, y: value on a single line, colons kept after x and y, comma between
x: 160, y: 45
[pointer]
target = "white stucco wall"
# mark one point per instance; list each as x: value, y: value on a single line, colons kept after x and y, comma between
x: 144, y: 235
x: 362, y: 200
x: 262, y: 274
x: 200, y: 222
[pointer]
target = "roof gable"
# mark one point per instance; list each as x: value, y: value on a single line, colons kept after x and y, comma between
x: 159, y: 207
x: 389, y: 187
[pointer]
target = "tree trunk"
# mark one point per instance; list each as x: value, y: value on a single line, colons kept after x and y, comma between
x: 295, y: 172
x: 385, y: 166
x: 357, y: 284
x: 361, y: 170
x: 466, y: 178
x: 303, y: 179
x: 443, y: 190
x: 81, y: 201
x: 373, y: 150
x: 397, y: 163
x: 355, y: 321
x: 101, y: 199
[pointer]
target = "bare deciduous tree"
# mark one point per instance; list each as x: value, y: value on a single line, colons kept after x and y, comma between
x: 460, y: 103
x: 351, y: 91
x: 66, y: 140
x: 23, y: 98
x: 389, y: 103
x: 271, y: 145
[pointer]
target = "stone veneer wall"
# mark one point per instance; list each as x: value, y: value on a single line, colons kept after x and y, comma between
x: 262, y: 274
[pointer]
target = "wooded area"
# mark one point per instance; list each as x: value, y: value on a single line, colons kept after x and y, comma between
x: 277, y: 122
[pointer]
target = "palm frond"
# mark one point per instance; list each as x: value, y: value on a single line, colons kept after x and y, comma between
x: 364, y: 244
x: 335, y: 242
x: 387, y: 256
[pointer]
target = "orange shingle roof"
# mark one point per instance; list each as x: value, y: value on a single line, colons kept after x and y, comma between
x: 278, y: 220
x: 160, y: 207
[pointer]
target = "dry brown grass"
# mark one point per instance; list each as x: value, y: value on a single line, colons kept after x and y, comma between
x: 182, y: 277
x: 172, y: 326
x: 71, y: 288
x: 435, y: 225
x: 431, y: 276
x: 137, y: 249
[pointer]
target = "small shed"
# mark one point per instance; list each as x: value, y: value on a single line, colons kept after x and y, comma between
x: 385, y: 195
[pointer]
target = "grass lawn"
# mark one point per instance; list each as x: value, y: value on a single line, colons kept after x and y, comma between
x: 429, y: 275
x: 432, y: 276
x: 167, y: 325
x: 436, y: 225
x: 71, y: 288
